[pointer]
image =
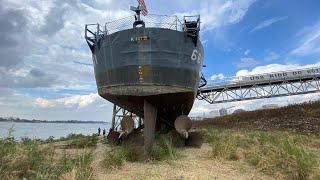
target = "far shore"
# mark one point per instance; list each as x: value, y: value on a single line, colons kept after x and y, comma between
x: 59, y: 121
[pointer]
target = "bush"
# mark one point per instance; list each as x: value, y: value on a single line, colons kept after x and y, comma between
x: 270, y: 152
x: 29, y: 159
x: 119, y: 154
x: 81, y: 141
x: 164, y: 150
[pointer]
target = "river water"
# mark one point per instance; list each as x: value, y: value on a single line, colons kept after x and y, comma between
x: 45, y: 130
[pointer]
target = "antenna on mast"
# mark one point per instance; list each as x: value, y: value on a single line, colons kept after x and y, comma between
x: 137, y: 10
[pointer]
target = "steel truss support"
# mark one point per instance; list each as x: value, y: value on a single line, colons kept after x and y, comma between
x: 229, y: 93
x: 119, y: 113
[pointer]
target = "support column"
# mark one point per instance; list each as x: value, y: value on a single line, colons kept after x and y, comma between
x: 114, y: 117
x: 139, y: 122
x: 150, y: 117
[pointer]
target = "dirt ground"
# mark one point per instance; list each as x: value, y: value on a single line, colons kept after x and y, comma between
x: 194, y: 164
x: 98, y: 171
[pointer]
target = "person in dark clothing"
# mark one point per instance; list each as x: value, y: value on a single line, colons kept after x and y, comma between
x: 99, y: 131
x: 104, y: 132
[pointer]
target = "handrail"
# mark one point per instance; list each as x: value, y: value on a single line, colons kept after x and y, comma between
x: 152, y: 20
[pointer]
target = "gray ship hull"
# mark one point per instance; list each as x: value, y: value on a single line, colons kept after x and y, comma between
x: 161, y: 66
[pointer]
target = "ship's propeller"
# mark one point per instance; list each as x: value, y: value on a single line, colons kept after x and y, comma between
x: 183, y: 124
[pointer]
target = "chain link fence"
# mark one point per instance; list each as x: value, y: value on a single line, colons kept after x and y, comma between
x: 151, y: 21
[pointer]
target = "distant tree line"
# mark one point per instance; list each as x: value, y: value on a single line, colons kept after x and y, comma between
x: 16, y: 119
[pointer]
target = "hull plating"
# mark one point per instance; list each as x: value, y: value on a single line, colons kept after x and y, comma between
x: 160, y: 65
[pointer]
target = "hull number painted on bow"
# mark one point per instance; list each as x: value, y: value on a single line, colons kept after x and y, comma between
x: 196, y: 56
x: 141, y: 38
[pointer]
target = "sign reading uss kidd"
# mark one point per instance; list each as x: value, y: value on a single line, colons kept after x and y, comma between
x: 283, y: 75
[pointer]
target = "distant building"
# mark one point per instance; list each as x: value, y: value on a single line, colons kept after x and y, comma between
x: 270, y: 106
x: 194, y: 118
x: 212, y: 114
x: 238, y: 110
x: 223, y: 111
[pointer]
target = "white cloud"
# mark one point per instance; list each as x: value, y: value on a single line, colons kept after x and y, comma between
x: 271, y: 56
x: 309, y: 41
x: 216, y: 13
x: 43, y: 103
x: 267, y: 23
x: 79, y: 107
x: 201, y: 106
x: 217, y: 77
x: 247, y: 62
x: 200, y: 109
x: 274, y: 68
x: 247, y: 52
x: 79, y: 101
x: 219, y: 13
x: 242, y: 72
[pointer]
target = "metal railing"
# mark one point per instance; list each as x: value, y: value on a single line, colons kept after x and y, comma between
x: 151, y: 21
x: 286, y: 83
x: 265, y: 77
x: 93, y: 32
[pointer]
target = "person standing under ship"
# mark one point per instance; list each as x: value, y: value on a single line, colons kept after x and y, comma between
x: 99, y: 131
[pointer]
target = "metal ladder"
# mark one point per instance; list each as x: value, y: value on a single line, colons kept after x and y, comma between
x: 192, y: 25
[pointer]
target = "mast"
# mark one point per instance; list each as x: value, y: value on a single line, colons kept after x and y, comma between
x: 138, y: 10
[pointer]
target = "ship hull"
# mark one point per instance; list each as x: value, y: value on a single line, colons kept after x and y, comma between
x: 160, y: 66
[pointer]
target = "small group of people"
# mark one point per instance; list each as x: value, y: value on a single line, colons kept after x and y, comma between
x: 103, y: 132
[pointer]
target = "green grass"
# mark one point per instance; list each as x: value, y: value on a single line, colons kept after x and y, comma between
x: 292, y: 155
x: 224, y: 146
x: 81, y: 141
x: 32, y: 159
x: 80, y: 163
x: 73, y: 140
x: 164, y: 150
x: 118, y: 155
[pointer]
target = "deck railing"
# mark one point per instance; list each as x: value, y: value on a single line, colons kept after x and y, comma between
x: 151, y: 21
x: 95, y: 31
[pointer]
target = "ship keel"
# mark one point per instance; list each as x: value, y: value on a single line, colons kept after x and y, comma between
x: 150, y: 118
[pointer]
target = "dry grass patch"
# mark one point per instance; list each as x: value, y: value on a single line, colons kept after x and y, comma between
x: 31, y: 159
x: 164, y: 150
x: 270, y: 152
x: 303, y: 118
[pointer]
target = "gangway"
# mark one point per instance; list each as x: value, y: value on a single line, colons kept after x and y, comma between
x: 285, y: 83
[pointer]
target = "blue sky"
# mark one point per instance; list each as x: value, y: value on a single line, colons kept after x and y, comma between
x: 45, y: 65
x: 267, y: 34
